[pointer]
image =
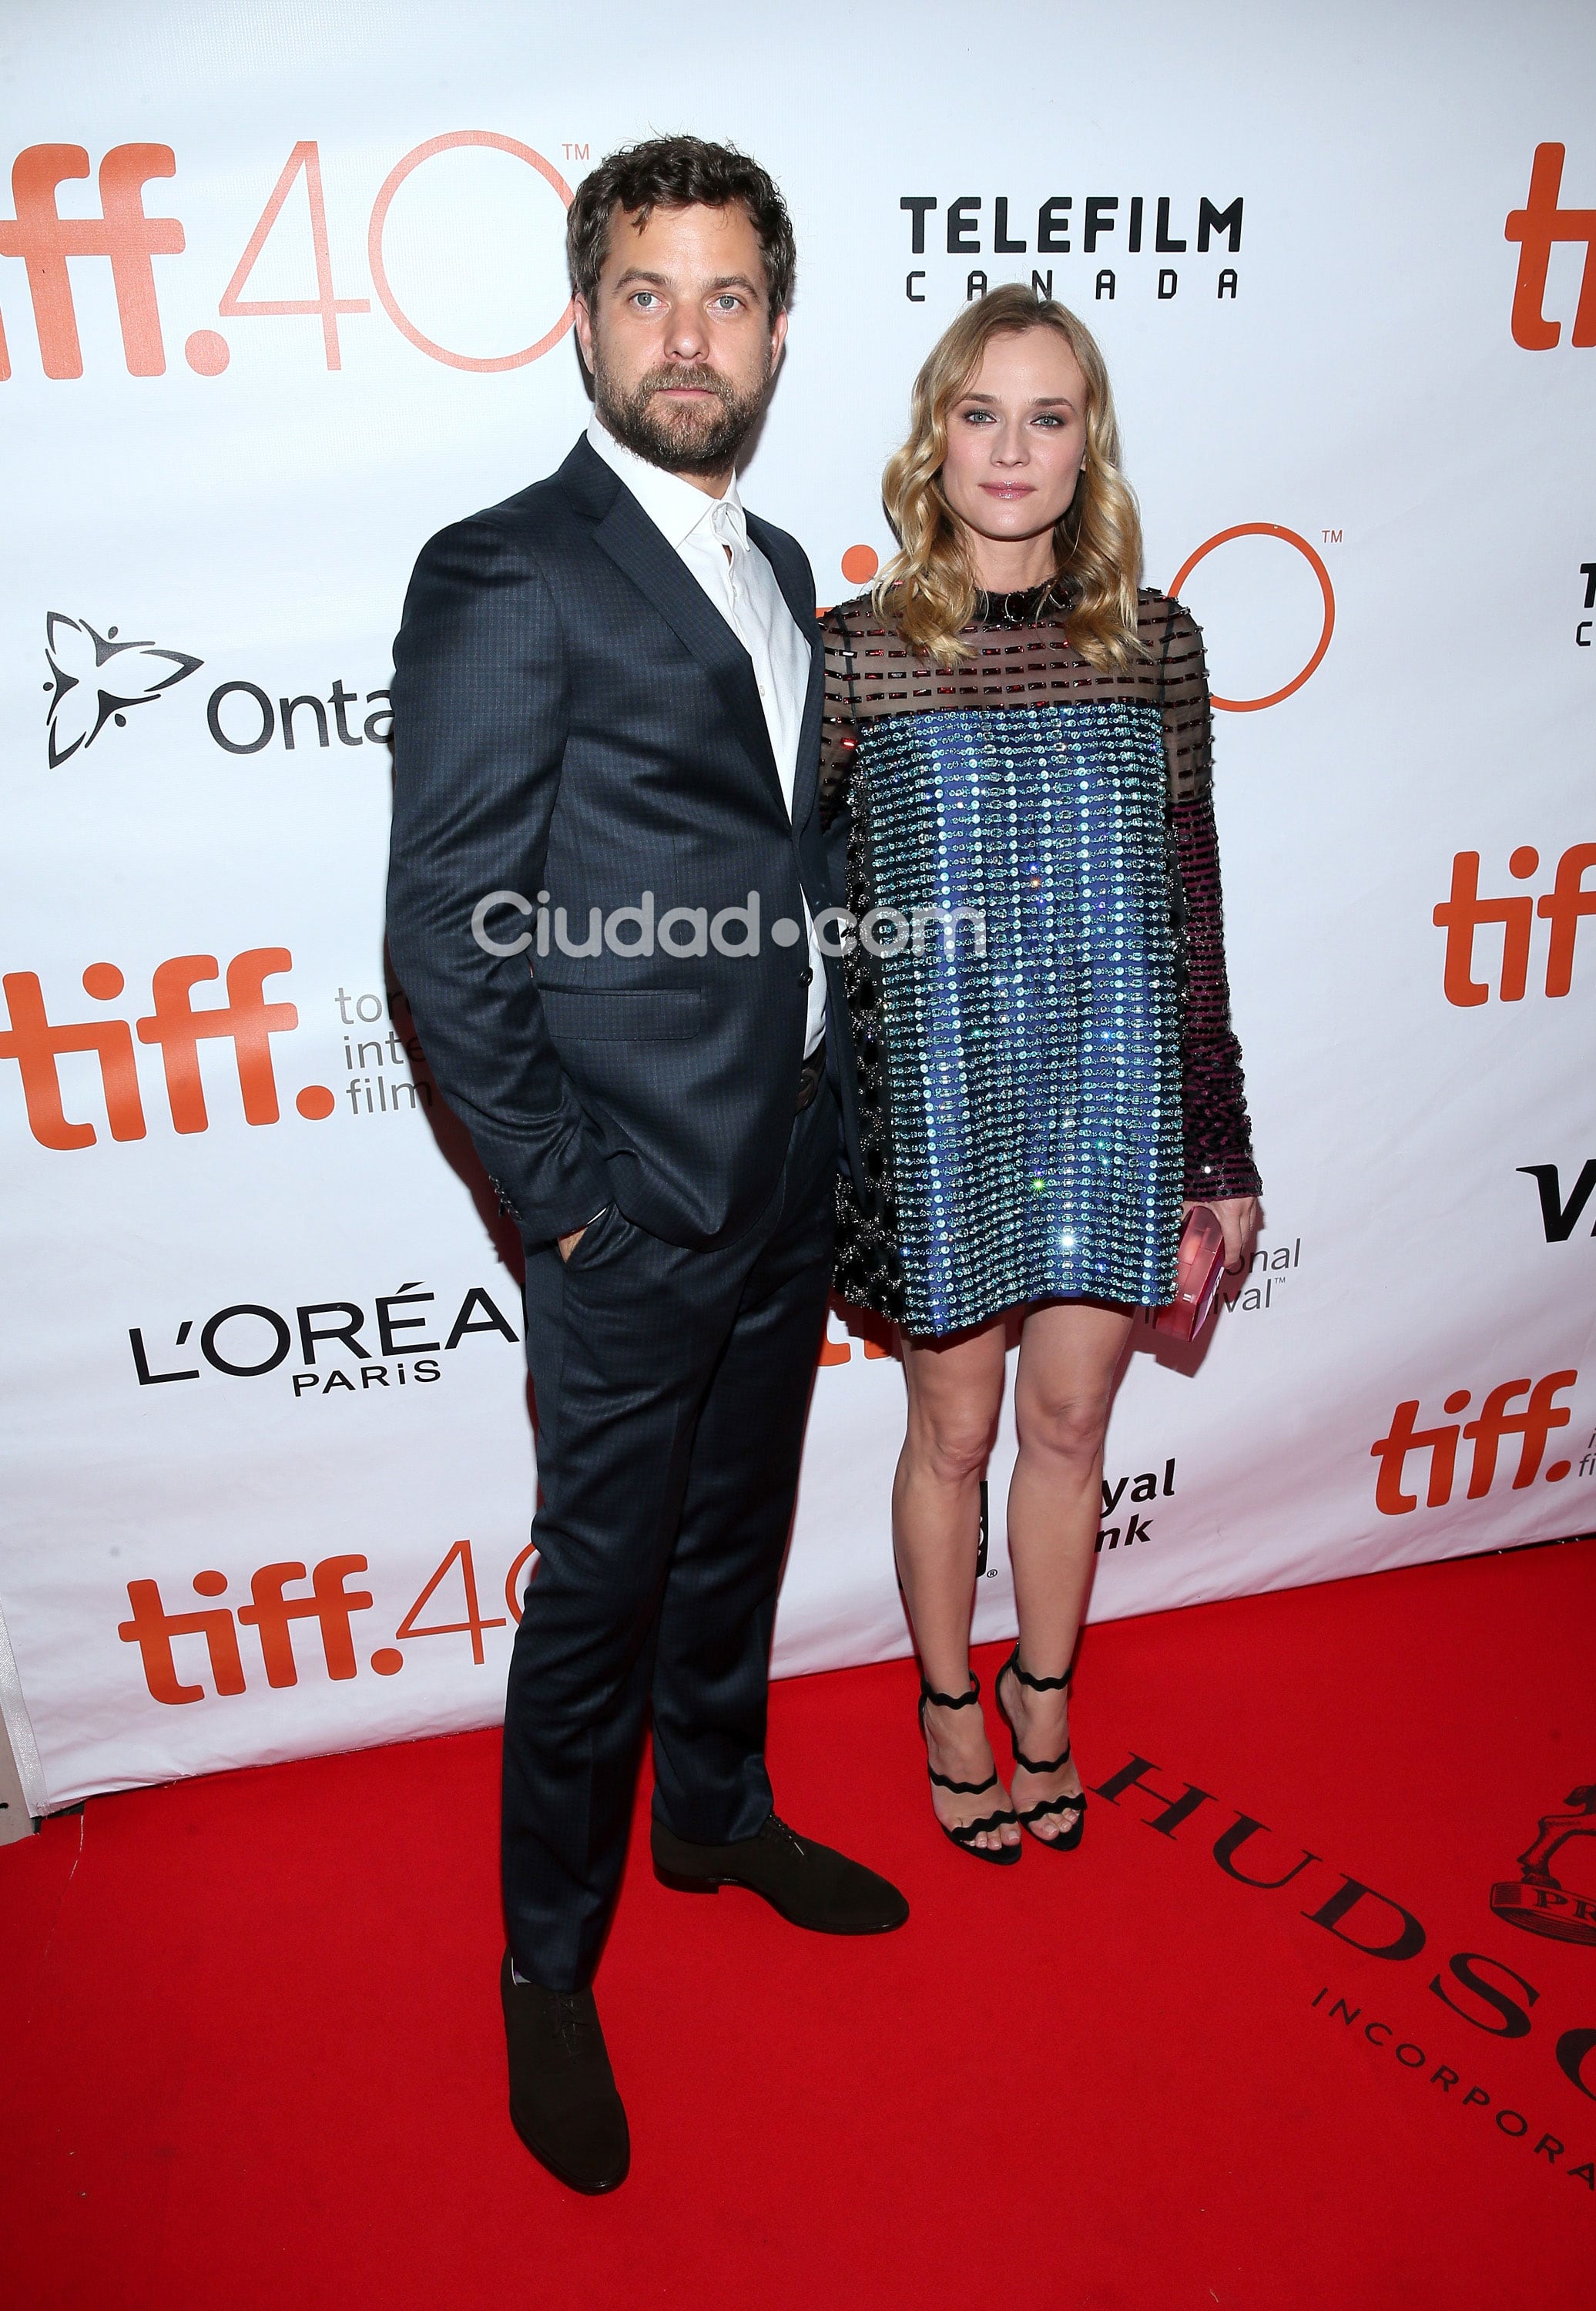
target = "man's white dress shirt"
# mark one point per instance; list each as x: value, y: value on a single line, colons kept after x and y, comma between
x: 710, y: 534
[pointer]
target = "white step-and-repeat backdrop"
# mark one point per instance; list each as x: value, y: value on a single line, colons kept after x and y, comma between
x: 283, y: 291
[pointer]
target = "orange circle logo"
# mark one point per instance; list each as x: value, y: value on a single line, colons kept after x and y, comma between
x: 1290, y: 537
x: 391, y: 306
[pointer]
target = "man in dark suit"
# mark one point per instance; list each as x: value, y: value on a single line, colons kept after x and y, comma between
x: 606, y: 868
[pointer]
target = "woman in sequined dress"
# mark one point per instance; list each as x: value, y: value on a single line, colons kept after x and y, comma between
x: 1017, y: 775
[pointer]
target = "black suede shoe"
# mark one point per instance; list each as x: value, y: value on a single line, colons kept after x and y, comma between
x: 810, y: 1884
x: 562, y: 2098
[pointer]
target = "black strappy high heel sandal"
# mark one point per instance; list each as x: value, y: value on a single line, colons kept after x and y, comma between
x: 1068, y: 1839
x: 964, y: 1838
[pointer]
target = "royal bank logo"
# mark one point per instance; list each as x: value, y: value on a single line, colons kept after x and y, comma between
x: 84, y: 697
x: 1537, y: 1900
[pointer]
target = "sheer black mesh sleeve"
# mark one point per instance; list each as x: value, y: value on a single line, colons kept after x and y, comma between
x: 1218, y: 1130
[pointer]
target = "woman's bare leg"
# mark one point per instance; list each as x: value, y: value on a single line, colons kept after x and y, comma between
x: 956, y: 1391
x: 1070, y: 1352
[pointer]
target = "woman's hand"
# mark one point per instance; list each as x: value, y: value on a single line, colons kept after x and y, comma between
x: 1238, y: 1216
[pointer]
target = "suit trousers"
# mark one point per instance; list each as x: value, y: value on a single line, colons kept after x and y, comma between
x: 672, y: 1388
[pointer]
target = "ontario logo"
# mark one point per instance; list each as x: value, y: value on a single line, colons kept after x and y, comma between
x: 83, y: 698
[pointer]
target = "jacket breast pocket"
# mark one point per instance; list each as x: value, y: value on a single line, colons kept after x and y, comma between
x: 624, y: 1015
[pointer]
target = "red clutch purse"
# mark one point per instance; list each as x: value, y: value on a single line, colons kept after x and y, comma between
x: 1200, y: 1264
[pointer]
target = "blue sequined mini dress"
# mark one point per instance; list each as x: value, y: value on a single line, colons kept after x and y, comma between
x: 1020, y: 993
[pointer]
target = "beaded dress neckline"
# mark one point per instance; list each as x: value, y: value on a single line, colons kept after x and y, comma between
x: 1027, y: 605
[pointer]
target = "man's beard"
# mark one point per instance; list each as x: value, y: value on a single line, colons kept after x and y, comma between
x: 684, y: 438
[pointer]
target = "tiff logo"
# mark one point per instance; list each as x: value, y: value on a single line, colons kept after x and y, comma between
x: 1535, y: 227
x: 44, y: 239
x: 1463, y: 912
x: 246, y: 1020
x: 1533, y: 1424
x: 271, y: 1613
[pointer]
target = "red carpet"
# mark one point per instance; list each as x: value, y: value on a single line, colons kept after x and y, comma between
x: 254, y: 2054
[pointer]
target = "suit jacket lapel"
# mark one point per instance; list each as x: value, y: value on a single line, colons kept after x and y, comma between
x: 636, y: 546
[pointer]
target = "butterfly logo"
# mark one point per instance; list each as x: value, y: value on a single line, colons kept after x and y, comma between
x: 84, y: 697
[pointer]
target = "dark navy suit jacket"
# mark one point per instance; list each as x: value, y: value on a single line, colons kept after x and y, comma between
x: 573, y: 717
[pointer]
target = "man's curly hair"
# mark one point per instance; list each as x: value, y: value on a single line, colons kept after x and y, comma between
x: 677, y: 173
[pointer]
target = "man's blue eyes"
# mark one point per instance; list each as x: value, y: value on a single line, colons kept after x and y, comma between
x: 647, y: 297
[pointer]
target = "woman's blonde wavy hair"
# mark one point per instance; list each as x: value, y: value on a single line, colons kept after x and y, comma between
x: 927, y: 594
